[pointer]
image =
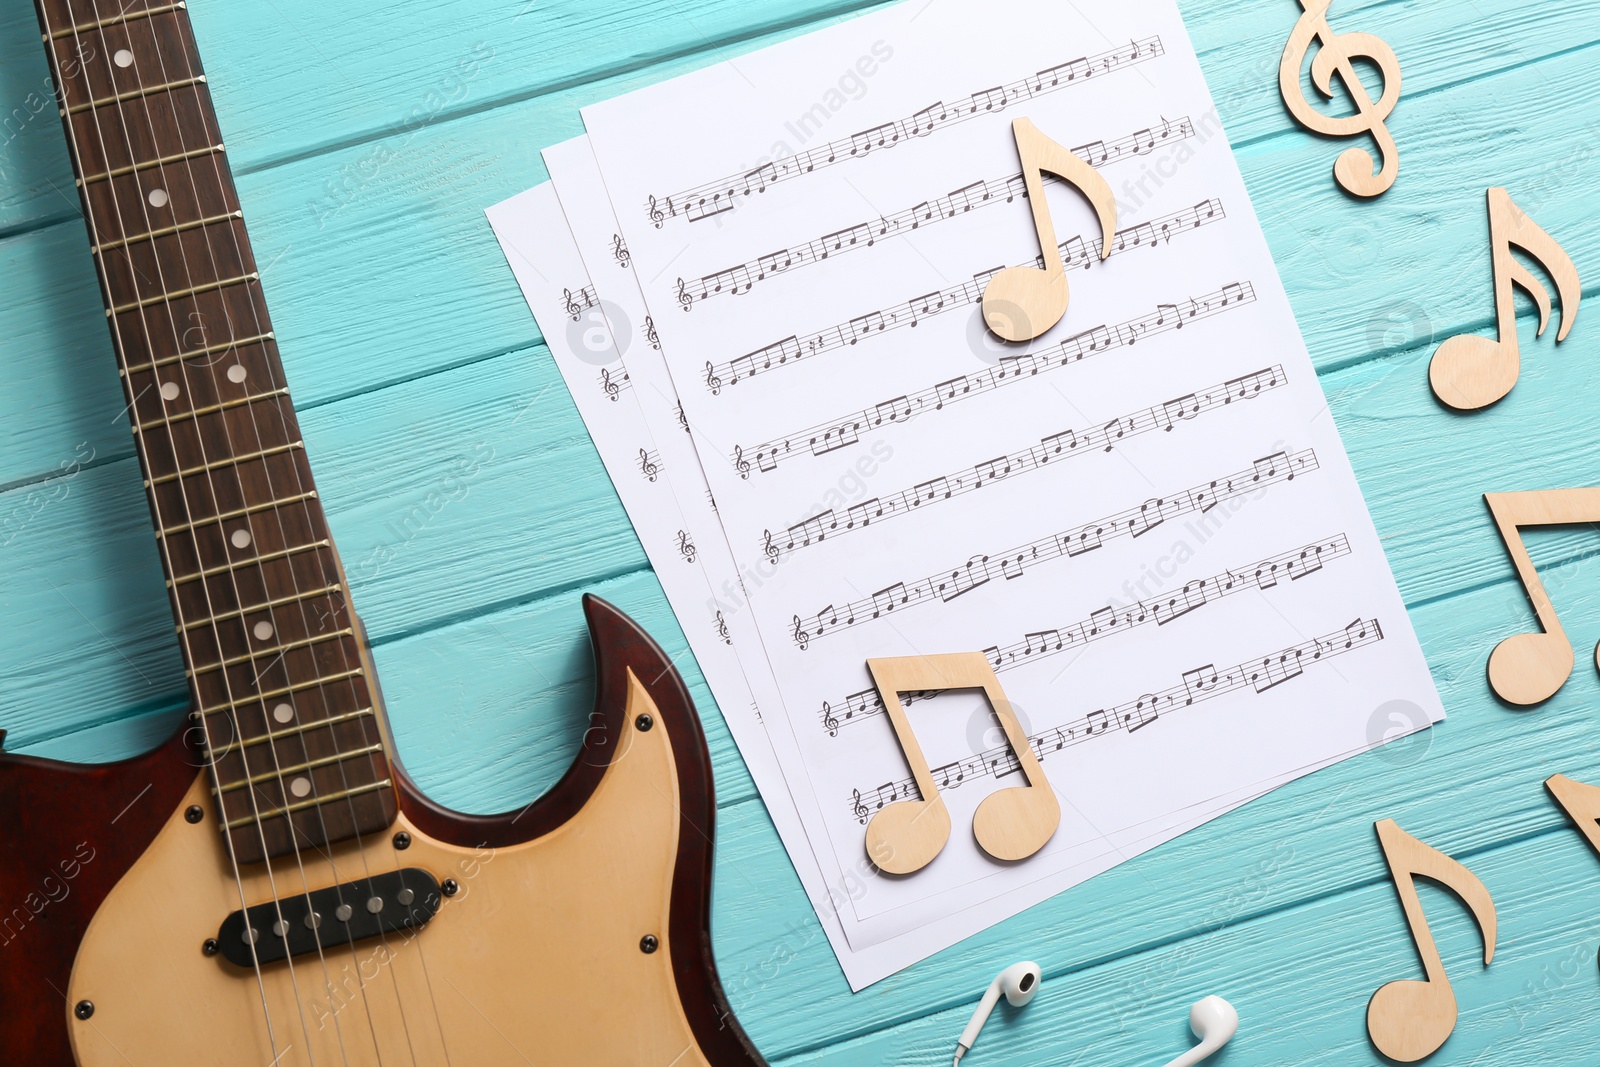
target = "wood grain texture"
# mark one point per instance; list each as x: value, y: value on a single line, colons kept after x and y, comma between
x: 1284, y: 907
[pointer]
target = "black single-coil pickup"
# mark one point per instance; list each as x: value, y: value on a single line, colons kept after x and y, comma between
x: 338, y: 915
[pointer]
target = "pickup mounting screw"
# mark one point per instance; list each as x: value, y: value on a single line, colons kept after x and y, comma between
x: 194, y: 814
x: 210, y: 947
x: 643, y: 723
x: 84, y: 1010
x: 402, y: 840
x: 449, y: 887
x: 648, y: 944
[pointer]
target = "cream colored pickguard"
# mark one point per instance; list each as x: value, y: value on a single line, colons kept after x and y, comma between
x: 536, y: 960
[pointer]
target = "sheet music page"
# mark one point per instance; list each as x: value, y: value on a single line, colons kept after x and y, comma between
x: 1144, y: 518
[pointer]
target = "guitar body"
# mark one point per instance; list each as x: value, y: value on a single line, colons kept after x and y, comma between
x: 538, y: 956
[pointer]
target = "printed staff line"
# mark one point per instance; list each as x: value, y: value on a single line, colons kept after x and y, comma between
x: 1067, y: 443
x: 715, y: 197
x: 1200, y: 684
x: 1109, y: 621
x: 829, y: 436
x: 1075, y: 252
x: 1011, y: 564
x: 737, y: 280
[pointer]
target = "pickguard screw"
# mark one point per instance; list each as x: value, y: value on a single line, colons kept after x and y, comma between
x: 84, y: 1010
x: 210, y: 947
x: 402, y: 840
x: 449, y: 888
x: 644, y: 722
x: 194, y: 814
x: 648, y: 944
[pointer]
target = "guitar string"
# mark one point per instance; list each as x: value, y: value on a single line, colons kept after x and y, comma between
x: 367, y: 741
x: 116, y: 328
x: 299, y: 600
x: 210, y: 366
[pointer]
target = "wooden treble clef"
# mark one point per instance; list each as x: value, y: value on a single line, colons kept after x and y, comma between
x: 1353, y: 168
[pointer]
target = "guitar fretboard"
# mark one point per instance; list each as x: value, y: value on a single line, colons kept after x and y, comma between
x: 262, y: 617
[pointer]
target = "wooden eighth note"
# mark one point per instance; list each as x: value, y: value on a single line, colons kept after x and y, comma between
x: 1408, y: 1020
x: 1010, y: 824
x: 1531, y: 668
x: 1021, y: 303
x: 1581, y: 802
x: 1469, y: 372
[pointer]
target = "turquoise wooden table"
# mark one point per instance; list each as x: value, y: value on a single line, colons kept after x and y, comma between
x: 471, y: 508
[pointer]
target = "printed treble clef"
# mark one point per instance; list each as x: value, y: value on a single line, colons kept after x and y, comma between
x: 685, y: 301
x: 722, y: 629
x: 619, y: 251
x: 856, y: 806
x: 683, y: 419
x: 657, y: 216
x: 830, y: 722
x: 801, y: 638
x: 647, y: 466
x: 650, y: 333
x: 713, y: 380
x: 685, y: 546
x: 770, y: 550
x: 574, y: 309
x: 740, y: 464
x: 607, y: 386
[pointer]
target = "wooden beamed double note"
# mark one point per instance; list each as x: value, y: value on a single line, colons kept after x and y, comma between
x: 1531, y: 668
x: 1581, y: 802
x: 1469, y: 372
x: 1021, y: 303
x: 1011, y: 824
x: 1408, y: 1020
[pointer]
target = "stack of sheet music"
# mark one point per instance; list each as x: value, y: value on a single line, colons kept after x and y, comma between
x: 762, y: 284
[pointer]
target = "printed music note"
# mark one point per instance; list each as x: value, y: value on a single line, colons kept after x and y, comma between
x: 1408, y: 1020
x: 1011, y: 824
x: 1353, y: 168
x: 1022, y: 303
x: 1469, y: 372
x: 1531, y: 668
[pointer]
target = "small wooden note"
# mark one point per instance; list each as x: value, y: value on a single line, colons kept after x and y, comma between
x: 1409, y: 1020
x: 1353, y: 168
x: 1010, y: 824
x: 1021, y: 303
x: 1469, y: 372
x: 1530, y: 668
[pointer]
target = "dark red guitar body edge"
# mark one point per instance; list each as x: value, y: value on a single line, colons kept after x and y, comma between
x: 115, y: 810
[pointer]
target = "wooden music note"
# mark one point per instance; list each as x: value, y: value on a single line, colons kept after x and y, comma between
x: 1469, y: 372
x: 1581, y: 802
x: 1021, y: 303
x: 1010, y: 824
x: 1530, y: 668
x: 1408, y: 1020
x: 1353, y: 168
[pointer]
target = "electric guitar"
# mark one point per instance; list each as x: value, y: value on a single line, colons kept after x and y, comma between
x: 269, y: 887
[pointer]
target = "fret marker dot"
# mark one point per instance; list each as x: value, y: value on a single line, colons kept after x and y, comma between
x: 300, y: 786
x: 157, y: 198
x: 170, y: 390
x: 283, y: 713
x: 236, y: 373
x: 123, y: 58
x: 240, y: 539
x: 263, y: 631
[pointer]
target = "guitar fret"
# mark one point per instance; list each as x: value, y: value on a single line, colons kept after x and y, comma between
x: 309, y: 765
x: 279, y: 650
x: 115, y: 20
x: 237, y: 512
x: 290, y: 731
x: 227, y: 461
x: 167, y: 231
x: 279, y: 813
x: 134, y: 94
x: 194, y: 290
x: 269, y: 605
x: 212, y: 409
x: 237, y: 563
x: 134, y: 168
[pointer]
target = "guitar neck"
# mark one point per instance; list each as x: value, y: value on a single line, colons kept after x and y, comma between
x: 270, y: 646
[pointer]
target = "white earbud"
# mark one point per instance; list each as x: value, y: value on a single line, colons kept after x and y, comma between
x: 1213, y: 1021
x: 1019, y: 982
